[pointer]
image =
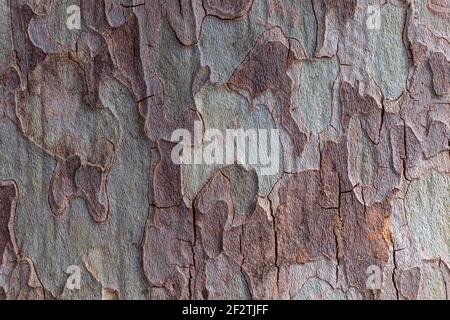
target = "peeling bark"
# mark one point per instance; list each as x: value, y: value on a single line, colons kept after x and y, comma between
x: 358, y: 205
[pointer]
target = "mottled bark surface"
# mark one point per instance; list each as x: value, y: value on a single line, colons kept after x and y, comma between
x: 358, y: 208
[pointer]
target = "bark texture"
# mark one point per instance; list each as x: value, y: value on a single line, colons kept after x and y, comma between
x: 87, y: 178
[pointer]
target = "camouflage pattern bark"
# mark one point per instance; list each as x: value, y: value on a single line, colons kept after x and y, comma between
x: 359, y: 207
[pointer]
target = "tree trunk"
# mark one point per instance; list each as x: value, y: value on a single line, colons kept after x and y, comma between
x: 313, y: 134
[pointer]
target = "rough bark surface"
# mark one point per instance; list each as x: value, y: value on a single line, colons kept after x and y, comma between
x: 87, y: 178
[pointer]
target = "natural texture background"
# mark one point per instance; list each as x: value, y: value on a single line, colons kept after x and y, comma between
x: 86, y: 177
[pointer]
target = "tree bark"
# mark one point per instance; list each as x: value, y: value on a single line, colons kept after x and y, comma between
x: 349, y: 102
